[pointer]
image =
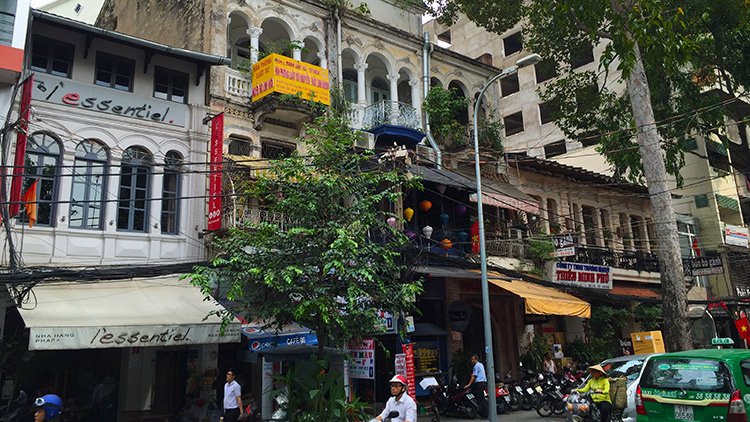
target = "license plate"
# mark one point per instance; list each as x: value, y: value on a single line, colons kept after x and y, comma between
x: 684, y: 413
x: 470, y: 396
x: 530, y: 391
x: 519, y: 389
x: 507, y: 399
x: 538, y: 389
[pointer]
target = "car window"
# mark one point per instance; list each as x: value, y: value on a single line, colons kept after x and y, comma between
x: 745, y: 365
x: 628, y: 368
x: 688, y: 374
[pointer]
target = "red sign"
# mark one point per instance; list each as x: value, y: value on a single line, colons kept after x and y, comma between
x: 475, y: 237
x: 215, y: 172
x: 410, y: 378
x: 18, y: 163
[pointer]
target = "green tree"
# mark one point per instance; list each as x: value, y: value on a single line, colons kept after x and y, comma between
x: 337, y: 263
x: 653, y: 48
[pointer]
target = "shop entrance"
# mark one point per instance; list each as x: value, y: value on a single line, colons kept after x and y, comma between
x: 170, y: 382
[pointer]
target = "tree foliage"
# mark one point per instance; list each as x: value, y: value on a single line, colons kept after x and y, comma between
x: 337, y: 262
x: 677, y: 40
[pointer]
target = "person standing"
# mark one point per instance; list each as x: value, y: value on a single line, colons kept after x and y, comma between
x: 549, y: 364
x: 232, y: 399
x: 478, y: 384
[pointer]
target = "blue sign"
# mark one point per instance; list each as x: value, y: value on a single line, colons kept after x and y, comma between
x: 285, y: 340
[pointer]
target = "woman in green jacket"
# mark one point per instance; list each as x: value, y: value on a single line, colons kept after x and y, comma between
x: 598, y: 384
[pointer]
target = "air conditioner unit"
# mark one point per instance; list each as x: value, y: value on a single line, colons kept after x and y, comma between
x: 365, y: 140
x: 426, y: 154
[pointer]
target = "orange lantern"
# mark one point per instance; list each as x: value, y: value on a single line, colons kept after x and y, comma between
x: 446, y: 244
x: 425, y: 205
x: 408, y: 214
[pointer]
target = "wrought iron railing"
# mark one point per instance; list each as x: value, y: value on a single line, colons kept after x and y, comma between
x: 393, y: 113
x: 507, y: 248
x: 638, y: 261
x: 240, y: 215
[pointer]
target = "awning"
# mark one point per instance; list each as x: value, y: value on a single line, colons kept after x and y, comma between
x: 444, y: 177
x: 634, y: 292
x: 500, y: 200
x: 426, y: 329
x: 158, y: 311
x: 542, y: 300
x: 290, y: 336
x: 453, y: 272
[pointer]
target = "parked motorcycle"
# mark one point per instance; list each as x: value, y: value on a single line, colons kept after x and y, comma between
x: 502, y: 396
x: 552, y: 398
x: 452, y: 401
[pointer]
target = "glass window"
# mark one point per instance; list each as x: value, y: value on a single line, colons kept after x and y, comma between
x: 135, y: 181
x: 51, y: 56
x: 170, y: 85
x: 688, y: 374
x: 42, y: 166
x: 114, y: 72
x: 275, y: 150
x: 170, y: 202
x: 629, y: 369
x: 88, y: 188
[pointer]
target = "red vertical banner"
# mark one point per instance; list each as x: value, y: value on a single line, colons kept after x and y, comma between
x: 475, y: 237
x: 24, y: 112
x: 215, y: 172
x: 410, y: 376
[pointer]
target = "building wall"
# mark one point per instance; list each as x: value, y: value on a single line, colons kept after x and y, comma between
x: 81, y: 10
x: 62, y: 245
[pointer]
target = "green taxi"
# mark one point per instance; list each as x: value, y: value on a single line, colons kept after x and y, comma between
x: 696, y: 385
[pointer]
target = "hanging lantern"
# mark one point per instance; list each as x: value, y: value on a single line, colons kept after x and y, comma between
x: 408, y: 214
x: 425, y: 205
x: 446, y: 244
x: 427, y: 231
x: 460, y: 210
x: 391, y: 221
x: 444, y: 219
x: 462, y: 236
x: 441, y: 189
x: 410, y: 234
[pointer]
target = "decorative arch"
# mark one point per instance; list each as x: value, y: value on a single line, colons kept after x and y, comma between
x: 137, y: 140
x: 384, y: 56
x: 97, y: 132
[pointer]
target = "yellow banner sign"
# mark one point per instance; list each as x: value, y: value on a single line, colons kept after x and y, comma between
x: 277, y: 73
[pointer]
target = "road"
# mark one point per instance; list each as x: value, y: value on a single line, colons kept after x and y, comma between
x: 521, y: 415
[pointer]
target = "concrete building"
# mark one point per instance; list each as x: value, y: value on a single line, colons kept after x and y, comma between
x: 14, y: 17
x: 80, y: 10
x: 113, y: 194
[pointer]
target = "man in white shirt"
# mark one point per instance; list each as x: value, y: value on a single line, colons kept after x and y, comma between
x: 232, y: 399
x: 399, y: 402
x: 478, y: 384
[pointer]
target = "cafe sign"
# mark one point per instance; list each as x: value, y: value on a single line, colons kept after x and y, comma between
x: 582, y: 275
x: 110, y: 101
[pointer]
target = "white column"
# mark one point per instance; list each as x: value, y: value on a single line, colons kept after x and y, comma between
x: 361, y: 93
x: 393, y: 79
x: 266, y: 407
x: 323, y: 61
x: 254, y: 34
x: 297, y: 51
x: 415, y: 97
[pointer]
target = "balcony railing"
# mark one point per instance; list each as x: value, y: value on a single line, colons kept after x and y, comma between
x: 507, y: 248
x: 393, y: 113
x: 241, y: 215
x: 238, y: 84
x: 638, y: 261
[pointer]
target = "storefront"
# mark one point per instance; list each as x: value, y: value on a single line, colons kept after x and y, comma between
x: 122, y: 349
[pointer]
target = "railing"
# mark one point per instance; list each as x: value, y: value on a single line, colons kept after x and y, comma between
x: 242, y: 215
x: 638, y: 261
x: 391, y: 113
x: 355, y: 116
x: 238, y: 84
x: 507, y: 248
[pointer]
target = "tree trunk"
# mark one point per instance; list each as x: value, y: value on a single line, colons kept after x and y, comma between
x: 677, y: 334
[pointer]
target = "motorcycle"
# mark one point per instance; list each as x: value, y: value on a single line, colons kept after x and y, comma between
x: 552, y: 398
x: 502, y: 396
x: 392, y: 415
x: 452, y: 401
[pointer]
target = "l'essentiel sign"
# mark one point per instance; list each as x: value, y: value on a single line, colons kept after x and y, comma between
x: 277, y: 73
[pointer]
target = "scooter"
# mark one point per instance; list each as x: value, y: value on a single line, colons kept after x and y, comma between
x: 392, y: 415
x: 551, y: 400
x: 453, y: 401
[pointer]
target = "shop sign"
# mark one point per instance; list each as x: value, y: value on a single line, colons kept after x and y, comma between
x: 73, y: 338
x: 742, y: 290
x: 564, y: 245
x: 706, y: 265
x: 73, y: 94
x: 362, y: 363
x: 736, y: 235
x: 285, y: 340
x: 408, y: 350
x: 277, y: 73
x: 583, y: 275
x: 458, y: 312
x: 215, y: 173
x: 385, y: 323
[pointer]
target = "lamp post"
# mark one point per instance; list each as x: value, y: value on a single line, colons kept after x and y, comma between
x: 523, y: 62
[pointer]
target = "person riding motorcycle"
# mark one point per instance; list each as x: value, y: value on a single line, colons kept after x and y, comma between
x: 598, y: 384
x: 400, y: 402
x: 48, y: 408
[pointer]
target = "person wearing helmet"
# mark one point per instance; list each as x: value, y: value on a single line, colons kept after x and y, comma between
x: 399, y: 402
x: 48, y: 408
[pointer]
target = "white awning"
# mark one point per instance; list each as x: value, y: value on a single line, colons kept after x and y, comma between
x: 158, y: 311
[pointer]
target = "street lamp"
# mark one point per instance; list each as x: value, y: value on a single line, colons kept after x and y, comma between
x: 523, y: 62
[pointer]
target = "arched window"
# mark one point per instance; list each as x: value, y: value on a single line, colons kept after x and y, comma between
x: 170, y: 194
x: 350, y: 85
x: 87, y: 191
x: 380, y: 90
x: 135, y: 182
x: 42, y: 166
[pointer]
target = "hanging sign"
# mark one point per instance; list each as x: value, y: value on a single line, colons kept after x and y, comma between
x: 706, y: 265
x: 736, y: 235
x: 20, y: 154
x: 362, y: 364
x: 583, y: 275
x: 277, y: 73
x: 564, y: 245
x: 410, y: 375
x: 215, y: 172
